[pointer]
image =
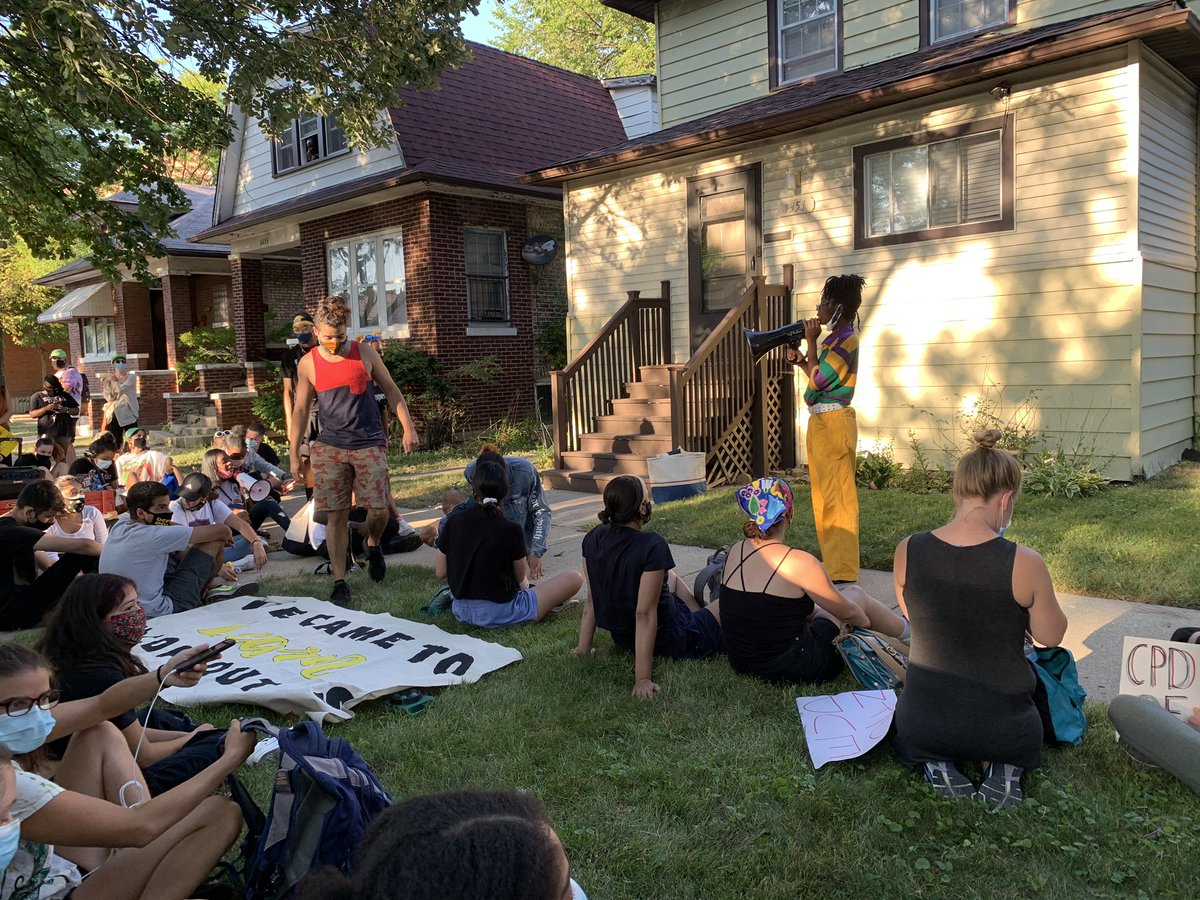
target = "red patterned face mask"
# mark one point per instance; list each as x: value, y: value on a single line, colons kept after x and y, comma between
x: 129, y: 627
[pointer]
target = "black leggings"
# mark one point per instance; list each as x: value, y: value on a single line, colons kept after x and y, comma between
x: 268, y: 509
x: 24, y: 605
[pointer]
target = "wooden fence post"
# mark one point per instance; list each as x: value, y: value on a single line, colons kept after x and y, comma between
x: 559, y: 413
x: 665, y: 325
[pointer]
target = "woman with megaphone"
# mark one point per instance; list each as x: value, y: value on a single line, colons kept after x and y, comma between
x: 832, y: 434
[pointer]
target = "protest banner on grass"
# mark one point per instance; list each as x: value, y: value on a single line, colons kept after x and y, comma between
x: 845, y: 726
x: 308, y: 657
x: 1164, y: 671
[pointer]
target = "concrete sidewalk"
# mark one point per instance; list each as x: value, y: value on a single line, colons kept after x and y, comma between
x: 1095, y: 634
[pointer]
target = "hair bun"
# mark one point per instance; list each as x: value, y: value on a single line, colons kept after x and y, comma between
x: 988, y: 438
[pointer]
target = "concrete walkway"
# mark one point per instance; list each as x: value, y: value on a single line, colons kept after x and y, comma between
x: 1095, y: 634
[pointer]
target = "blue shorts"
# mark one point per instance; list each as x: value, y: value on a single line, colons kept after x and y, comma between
x: 685, y: 635
x: 489, y: 614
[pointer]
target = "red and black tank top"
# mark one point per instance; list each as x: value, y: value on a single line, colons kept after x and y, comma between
x: 349, y: 414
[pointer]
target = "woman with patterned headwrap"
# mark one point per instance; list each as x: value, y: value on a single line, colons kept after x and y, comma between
x: 779, y: 610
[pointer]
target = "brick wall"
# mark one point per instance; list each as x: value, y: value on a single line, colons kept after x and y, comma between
x: 178, y: 313
x: 152, y: 384
x: 217, y: 377
x: 548, y: 283
x: 436, y: 287
x: 283, y: 297
x: 234, y: 408
x: 24, y: 368
x: 134, y: 331
x: 202, y: 296
x: 249, y: 313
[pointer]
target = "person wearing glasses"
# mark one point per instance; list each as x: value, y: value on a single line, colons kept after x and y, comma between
x: 80, y: 521
x: 30, y: 583
x: 166, y: 845
x: 832, y: 434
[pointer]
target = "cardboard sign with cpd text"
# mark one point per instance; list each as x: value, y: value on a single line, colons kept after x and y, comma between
x: 1166, y: 672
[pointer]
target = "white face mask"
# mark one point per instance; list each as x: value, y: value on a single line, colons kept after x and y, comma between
x: 103, y: 464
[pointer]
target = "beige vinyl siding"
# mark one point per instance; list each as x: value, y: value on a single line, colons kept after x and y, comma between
x: 258, y: 188
x: 712, y: 55
x: 1167, y: 201
x: 1033, y: 13
x: 1053, y: 305
x: 875, y: 30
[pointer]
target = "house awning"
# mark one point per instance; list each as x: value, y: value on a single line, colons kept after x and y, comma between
x: 89, y: 300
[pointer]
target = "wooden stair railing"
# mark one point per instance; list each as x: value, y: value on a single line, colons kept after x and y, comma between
x: 639, y: 334
x: 723, y: 404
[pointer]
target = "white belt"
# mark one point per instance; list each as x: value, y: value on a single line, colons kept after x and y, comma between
x: 817, y: 408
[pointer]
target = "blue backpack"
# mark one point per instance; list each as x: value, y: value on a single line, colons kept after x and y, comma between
x: 1059, y: 697
x: 875, y: 662
x: 323, y: 802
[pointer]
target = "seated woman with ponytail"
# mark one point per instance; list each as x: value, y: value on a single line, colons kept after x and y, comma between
x: 634, y: 595
x: 89, y: 639
x: 779, y: 609
x: 483, y: 557
x: 972, y: 597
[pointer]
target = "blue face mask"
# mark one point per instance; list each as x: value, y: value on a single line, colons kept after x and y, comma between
x: 576, y: 891
x: 25, y: 733
x: 303, y: 337
x: 10, y: 834
x: 251, y: 444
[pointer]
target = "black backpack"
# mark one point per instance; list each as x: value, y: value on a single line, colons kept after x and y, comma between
x: 707, y: 586
x: 85, y: 393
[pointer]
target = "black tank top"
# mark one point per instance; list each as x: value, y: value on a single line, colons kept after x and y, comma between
x: 760, y: 627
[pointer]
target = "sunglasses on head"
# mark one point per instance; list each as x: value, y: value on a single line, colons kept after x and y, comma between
x: 224, y: 433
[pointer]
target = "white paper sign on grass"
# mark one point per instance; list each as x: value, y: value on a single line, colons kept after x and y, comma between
x: 1164, y: 671
x: 298, y: 655
x: 845, y: 726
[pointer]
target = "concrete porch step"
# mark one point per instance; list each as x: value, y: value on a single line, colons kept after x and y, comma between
x: 638, y: 444
x: 606, y: 462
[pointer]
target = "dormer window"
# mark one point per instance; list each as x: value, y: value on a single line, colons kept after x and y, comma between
x: 806, y: 38
x: 944, y: 20
x: 308, y: 140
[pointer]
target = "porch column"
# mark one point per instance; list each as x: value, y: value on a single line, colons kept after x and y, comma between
x: 132, y: 302
x: 178, y: 313
x: 249, y: 309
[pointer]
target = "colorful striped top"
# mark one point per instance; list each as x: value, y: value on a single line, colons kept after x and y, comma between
x: 349, y: 415
x: 836, y: 372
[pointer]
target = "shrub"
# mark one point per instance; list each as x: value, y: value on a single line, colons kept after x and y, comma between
x: 878, y: 469
x: 551, y: 346
x: 1059, y: 473
x: 922, y: 477
x: 432, y: 397
x: 268, y: 405
x: 204, y: 346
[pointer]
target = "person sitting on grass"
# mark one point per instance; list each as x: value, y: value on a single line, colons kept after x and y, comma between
x: 484, y: 559
x: 43, y: 457
x: 972, y: 597
x: 80, y: 521
x: 30, y: 584
x: 95, y: 468
x: 779, y: 610
x: 97, y: 802
x: 222, y: 471
x: 139, y: 463
x: 173, y: 565
x: 465, y: 845
x: 256, y: 442
x: 89, y: 640
x: 198, y: 504
x: 633, y: 594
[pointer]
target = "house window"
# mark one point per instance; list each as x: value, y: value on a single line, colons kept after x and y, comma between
x: 308, y: 140
x: 805, y: 37
x: 220, y: 307
x: 935, y: 185
x: 945, y: 19
x: 99, y: 336
x: 487, y: 275
x: 369, y: 272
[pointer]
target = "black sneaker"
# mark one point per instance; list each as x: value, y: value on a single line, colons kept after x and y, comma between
x: 340, y: 595
x: 376, y: 564
x: 948, y: 781
x: 403, y: 543
x: 232, y: 589
x: 1186, y: 636
x: 1001, y: 786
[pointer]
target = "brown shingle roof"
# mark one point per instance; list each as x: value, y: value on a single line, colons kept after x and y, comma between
x: 492, y: 120
x: 1165, y: 25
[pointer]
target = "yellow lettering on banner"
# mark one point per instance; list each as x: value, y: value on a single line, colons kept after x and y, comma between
x: 308, y: 656
x: 214, y: 632
x: 344, y: 662
x: 266, y: 644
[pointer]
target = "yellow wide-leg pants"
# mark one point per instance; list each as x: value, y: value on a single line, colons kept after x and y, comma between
x: 832, y: 441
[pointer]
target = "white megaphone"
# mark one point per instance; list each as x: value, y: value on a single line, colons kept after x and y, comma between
x: 255, y: 488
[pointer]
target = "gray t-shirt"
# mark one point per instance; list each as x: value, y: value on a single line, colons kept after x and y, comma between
x: 142, y: 552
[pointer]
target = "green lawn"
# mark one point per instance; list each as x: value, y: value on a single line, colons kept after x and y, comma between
x: 707, y: 791
x: 1133, y: 542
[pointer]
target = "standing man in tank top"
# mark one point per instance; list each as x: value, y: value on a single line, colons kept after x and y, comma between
x: 349, y: 456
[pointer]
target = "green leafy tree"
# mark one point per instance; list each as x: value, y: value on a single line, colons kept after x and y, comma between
x: 87, y: 103
x: 580, y: 35
x: 22, y: 301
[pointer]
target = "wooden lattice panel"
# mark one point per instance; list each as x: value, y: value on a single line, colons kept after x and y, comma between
x: 730, y: 459
x: 775, y: 424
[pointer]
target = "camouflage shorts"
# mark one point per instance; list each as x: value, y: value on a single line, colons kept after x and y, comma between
x: 338, y: 475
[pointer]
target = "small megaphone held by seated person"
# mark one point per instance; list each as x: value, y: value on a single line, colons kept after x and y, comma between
x: 256, y: 488
x: 763, y: 342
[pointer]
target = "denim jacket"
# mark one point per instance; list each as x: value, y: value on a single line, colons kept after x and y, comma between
x: 526, y: 504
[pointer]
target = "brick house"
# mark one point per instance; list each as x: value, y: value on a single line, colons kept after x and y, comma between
x: 423, y: 236
x: 192, y: 288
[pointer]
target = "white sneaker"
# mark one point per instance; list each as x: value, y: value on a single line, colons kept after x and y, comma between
x: 262, y: 750
x: 244, y: 564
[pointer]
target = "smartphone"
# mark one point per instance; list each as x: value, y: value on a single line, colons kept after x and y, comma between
x: 212, y: 652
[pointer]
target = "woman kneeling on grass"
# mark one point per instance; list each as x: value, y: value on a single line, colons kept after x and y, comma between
x: 89, y: 639
x: 634, y: 595
x: 483, y: 558
x: 779, y: 610
x: 174, y: 840
x: 972, y: 596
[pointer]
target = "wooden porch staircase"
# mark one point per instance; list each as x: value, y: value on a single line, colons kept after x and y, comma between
x: 622, y: 400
